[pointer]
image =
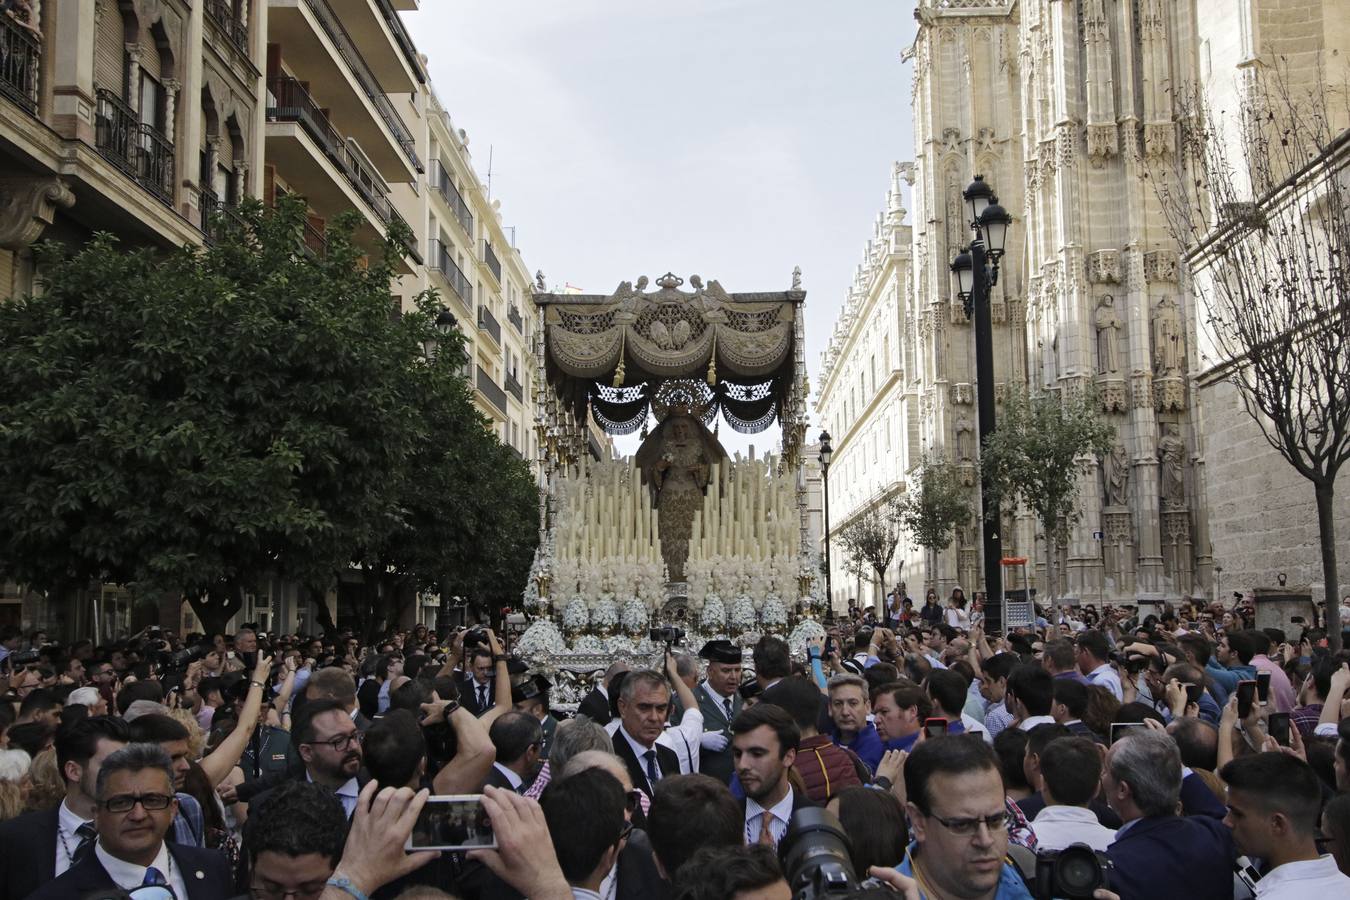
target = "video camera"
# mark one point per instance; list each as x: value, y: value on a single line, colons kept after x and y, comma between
x: 818, y: 861
x: 671, y: 635
x: 1073, y: 873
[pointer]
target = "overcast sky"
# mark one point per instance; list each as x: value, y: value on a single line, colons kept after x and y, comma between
x: 733, y: 139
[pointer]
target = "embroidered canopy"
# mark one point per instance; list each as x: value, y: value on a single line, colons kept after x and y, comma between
x: 704, y: 352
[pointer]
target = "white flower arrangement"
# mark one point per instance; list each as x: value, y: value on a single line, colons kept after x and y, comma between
x: 773, y: 614
x: 588, y: 643
x: 713, y: 615
x: 633, y: 616
x: 541, y: 640
x: 575, y: 615
x: 620, y: 644
x: 806, y: 630
x: 742, y: 615
x: 604, y: 612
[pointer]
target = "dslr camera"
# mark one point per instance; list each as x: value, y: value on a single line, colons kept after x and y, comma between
x: 1072, y: 873
x: 818, y: 862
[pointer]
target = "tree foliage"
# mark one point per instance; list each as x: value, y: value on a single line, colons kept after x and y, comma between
x: 1263, y: 211
x: 870, y: 538
x: 202, y: 420
x: 1034, y: 457
x: 938, y: 506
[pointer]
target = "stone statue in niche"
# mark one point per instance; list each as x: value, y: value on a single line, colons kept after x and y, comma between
x: 1167, y: 338
x: 964, y: 434
x: 1172, y: 456
x: 1108, y: 330
x: 1116, y: 476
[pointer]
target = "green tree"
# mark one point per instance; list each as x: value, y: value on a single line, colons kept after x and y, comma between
x: 933, y: 511
x: 870, y: 538
x: 1035, y: 458
x: 198, y: 420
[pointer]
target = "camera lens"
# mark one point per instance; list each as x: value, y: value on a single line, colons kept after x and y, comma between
x: 815, y: 852
x: 1078, y: 872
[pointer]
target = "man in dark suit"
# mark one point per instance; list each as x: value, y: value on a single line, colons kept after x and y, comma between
x: 38, y: 846
x: 1192, y: 855
x: 330, y: 750
x: 136, y: 808
x: 531, y: 697
x: 764, y: 747
x: 644, y: 704
x: 476, y: 691
x: 719, y: 700
x: 595, y: 705
x: 517, y: 737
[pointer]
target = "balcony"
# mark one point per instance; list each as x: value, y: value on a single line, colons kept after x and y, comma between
x: 513, y: 316
x: 440, y: 260
x: 221, y: 12
x: 20, y: 64
x: 322, y: 52
x: 489, y: 389
x: 289, y: 102
x: 488, y: 322
x: 490, y: 258
x: 514, y: 388
x: 384, y: 43
x: 139, y: 150
x: 217, y: 217
x: 445, y: 186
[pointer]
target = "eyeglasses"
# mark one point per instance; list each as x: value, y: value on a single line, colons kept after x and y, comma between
x: 124, y: 803
x: 343, y: 741
x: 968, y: 827
x: 269, y: 890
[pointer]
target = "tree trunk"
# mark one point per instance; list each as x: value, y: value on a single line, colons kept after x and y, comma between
x: 1049, y: 571
x: 319, y: 598
x: 1326, y: 527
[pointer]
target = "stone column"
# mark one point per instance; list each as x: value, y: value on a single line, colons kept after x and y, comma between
x: 1146, y: 490
x: 132, y: 94
x: 69, y: 57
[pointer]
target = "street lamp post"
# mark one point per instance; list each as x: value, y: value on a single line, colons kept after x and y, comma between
x: 431, y: 346
x: 976, y: 271
x: 826, y: 454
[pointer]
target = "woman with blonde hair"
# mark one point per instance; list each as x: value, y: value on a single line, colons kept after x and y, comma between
x: 14, y: 782
x: 46, y: 786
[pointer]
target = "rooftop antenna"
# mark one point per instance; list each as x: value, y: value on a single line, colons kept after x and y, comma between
x: 489, y: 171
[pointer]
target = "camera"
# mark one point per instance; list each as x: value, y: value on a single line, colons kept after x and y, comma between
x: 183, y: 658
x: 475, y: 637
x: 669, y: 634
x: 1073, y: 873
x: 817, y: 859
x: 25, y: 658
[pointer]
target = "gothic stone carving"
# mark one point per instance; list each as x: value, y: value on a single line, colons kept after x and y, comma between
x: 1172, y: 456
x: 1141, y: 390
x: 1177, y: 526
x: 1168, y: 341
x: 1111, y: 391
x: 963, y: 393
x: 1169, y: 394
x: 1160, y: 265
x: 1118, y: 527
x: 1108, y: 336
x: 1102, y: 143
x: 1159, y: 140
x: 1116, y: 476
x: 27, y: 206
x: 1103, y: 266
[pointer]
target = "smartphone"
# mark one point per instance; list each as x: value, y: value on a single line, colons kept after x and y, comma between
x: 1120, y: 729
x: 934, y: 727
x: 1263, y: 687
x: 1246, y: 694
x: 452, y: 822
x: 1193, y: 692
x: 1278, y: 726
x: 829, y: 647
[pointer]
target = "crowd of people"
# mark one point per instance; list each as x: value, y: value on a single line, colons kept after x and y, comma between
x: 1101, y: 753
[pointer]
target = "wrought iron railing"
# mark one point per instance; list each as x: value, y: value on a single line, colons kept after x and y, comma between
x: 222, y: 13
x: 217, y: 215
x: 313, y: 239
x: 441, y: 261
x: 494, y: 265
x: 139, y: 150
x: 513, y: 316
x: 488, y: 322
x: 20, y: 63
x: 514, y: 388
x: 496, y: 396
x: 446, y: 186
x: 370, y: 85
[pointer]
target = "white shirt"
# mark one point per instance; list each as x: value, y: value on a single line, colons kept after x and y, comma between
x: 683, y: 739
x: 67, y: 841
x: 1300, y: 880
x: 958, y: 618
x: 975, y: 726
x: 639, y: 751
x: 1105, y: 676
x: 1056, y: 827
x: 128, y: 875
x: 515, y: 780
x: 1032, y: 721
x: 754, y: 813
x: 348, y: 794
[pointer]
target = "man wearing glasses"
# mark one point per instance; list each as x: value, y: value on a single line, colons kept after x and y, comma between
x: 136, y: 806
x: 957, y: 813
x: 330, y: 747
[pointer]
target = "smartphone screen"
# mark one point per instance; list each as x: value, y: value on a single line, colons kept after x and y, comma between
x: 935, y: 727
x: 1193, y: 692
x: 1120, y: 729
x: 1278, y: 726
x: 1246, y: 694
x: 452, y: 822
x: 1263, y: 687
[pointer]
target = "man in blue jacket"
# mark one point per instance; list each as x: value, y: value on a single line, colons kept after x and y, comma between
x: 1157, y: 853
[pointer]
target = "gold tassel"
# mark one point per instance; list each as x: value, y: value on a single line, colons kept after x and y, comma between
x: 618, y: 373
x: 712, y: 361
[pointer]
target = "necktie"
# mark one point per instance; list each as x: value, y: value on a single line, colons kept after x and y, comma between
x: 154, y: 876
x: 482, y: 696
x: 86, y: 834
x: 653, y: 775
x: 766, y: 828
x: 726, y: 704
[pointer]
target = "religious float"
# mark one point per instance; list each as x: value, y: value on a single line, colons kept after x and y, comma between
x: 679, y: 534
